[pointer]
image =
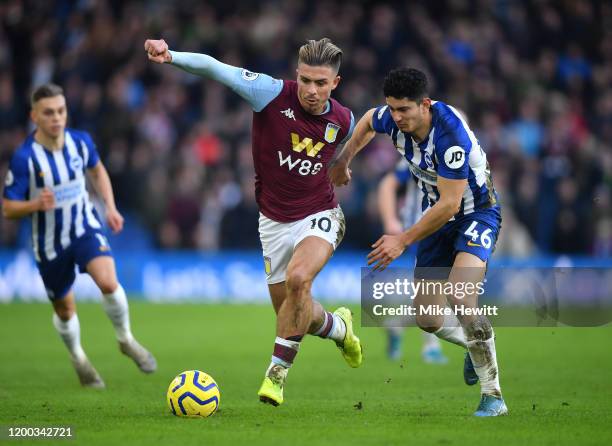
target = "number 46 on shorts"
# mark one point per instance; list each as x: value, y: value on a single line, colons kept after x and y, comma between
x: 478, y: 238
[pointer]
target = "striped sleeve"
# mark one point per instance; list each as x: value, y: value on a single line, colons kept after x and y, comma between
x: 452, y: 148
x: 382, y: 122
x: 92, y: 157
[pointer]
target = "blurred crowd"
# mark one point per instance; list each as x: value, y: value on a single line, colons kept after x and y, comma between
x: 534, y: 78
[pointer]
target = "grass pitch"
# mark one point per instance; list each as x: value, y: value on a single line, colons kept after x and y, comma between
x: 557, y: 383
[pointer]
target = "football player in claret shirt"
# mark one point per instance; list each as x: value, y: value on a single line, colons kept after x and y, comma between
x: 46, y: 182
x: 297, y: 127
x: 460, y: 223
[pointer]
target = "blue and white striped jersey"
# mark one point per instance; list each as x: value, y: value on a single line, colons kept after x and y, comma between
x: 450, y: 150
x: 33, y: 168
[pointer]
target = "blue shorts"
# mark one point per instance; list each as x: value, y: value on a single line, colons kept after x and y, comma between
x: 475, y: 233
x: 59, y: 275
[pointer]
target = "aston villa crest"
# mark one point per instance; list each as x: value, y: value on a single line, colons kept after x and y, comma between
x: 331, y: 131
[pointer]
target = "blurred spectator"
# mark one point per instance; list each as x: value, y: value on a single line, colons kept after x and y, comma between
x: 534, y: 78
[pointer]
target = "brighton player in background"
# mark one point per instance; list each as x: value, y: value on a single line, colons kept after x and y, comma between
x: 296, y: 129
x: 47, y: 182
x: 400, y: 179
x: 461, y: 215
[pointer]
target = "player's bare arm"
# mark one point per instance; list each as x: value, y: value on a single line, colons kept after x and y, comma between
x: 16, y: 209
x: 387, y: 204
x: 390, y: 247
x: 101, y: 182
x: 339, y: 172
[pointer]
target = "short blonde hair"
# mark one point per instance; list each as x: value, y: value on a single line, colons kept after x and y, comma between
x: 320, y: 52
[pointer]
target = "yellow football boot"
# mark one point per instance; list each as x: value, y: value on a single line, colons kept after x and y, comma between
x: 351, y: 346
x: 271, y: 390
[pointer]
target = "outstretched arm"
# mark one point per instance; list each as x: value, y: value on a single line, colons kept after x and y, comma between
x: 451, y: 193
x: 256, y: 88
x: 339, y: 173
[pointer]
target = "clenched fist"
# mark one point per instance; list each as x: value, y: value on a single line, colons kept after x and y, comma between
x: 157, y: 50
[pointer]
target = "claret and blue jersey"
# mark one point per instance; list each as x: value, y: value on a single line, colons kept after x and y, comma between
x: 33, y: 168
x: 291, y: 147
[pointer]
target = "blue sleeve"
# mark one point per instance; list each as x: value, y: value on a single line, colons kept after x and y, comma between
x: 92, y: 152
x: 382, y: 122
x: 17, y: 182
x: 402, y: 173
x: 452, y: 147
x: 350, y: 132
x: 256, y: 88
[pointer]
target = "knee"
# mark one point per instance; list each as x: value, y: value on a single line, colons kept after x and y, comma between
x: 479, y: 329
x: 107, y: 284
x: 298, y: 282
x: 64, y: 311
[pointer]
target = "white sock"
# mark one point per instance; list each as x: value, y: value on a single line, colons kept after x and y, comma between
x: 430, y: 342
x: 484, y: 359
x: 333, y: 327
x: 70, y: 332
x: 452, y: 331
x: 338, y: 331
x: 116, y: 307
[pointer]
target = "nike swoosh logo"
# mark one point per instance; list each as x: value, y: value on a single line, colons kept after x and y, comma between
x: 471, y: 243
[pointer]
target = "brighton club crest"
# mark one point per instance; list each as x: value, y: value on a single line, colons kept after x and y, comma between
x: 331, y: 131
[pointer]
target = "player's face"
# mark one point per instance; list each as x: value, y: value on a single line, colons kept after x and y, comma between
x: 315, y: 85
x: 49, y: 115
x: 410, y: 116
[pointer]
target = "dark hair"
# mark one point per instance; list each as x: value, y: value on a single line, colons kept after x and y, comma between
x: 407, y: 83
x: 320, y: 52
x: 46, y: 91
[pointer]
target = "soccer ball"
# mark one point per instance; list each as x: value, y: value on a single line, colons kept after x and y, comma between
x: 193, y: 394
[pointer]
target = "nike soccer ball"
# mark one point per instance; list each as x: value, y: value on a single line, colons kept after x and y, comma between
x: 193, y: 394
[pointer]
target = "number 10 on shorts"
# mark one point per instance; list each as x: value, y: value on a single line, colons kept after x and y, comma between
x: 324, y: 223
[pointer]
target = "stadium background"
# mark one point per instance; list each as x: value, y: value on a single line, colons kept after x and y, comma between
x: 533, y: 77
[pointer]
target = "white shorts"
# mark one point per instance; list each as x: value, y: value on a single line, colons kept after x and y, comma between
x: 278, y: 240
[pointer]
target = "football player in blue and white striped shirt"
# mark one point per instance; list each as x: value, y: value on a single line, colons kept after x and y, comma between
x: 461, y: 215
x: 47, y: 182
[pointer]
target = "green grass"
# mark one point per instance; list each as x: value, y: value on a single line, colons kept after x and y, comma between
x: 557, y: 383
